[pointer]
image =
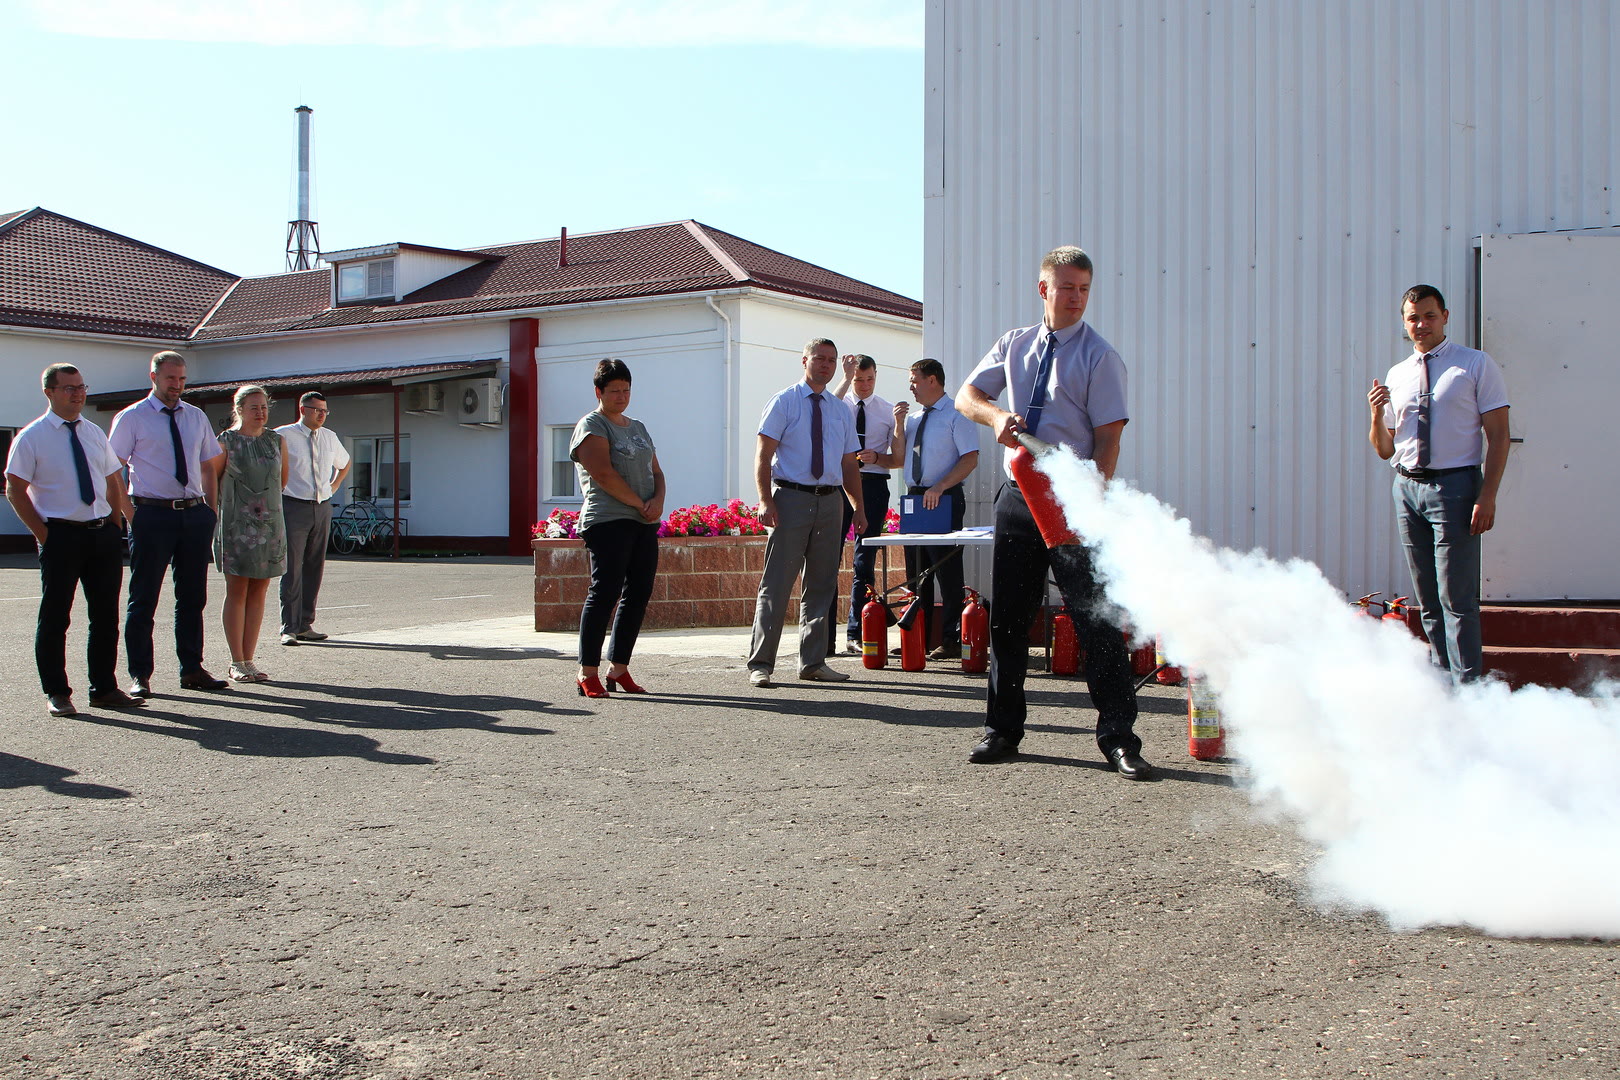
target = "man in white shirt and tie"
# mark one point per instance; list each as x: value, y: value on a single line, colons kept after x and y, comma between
x: 874, y: 429
x: 316, y: 466
x: 67, y: 486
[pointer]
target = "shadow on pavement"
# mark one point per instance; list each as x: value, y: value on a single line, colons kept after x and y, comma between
x: 1161, y: 773
x: 445, y: 652
x: 393, y: 708
x: 18, y: 772
x: 261, y: 740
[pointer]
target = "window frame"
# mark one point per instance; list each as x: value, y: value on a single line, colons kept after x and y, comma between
x: 366, y: 451
x: 575, y: 494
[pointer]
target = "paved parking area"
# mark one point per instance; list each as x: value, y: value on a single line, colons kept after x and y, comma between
x: 417, y: 853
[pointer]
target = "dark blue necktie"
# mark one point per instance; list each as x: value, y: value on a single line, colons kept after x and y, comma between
x: 1425, y: 399
x: 860, y: 423
x: 815, y: 437
x: 1043, y: 374
x: 81, y: 464
x: 179, y: 451
x: 916, y: 449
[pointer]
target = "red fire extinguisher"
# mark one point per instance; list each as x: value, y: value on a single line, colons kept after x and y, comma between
x: 913, y: 650
x: 975, y: 634
x: 1167, y: 675
x: 1065, y: 645
x: 1364, y: 606
x: 874, y: 632
x: 1141, y: 657
x: 1206, y: 738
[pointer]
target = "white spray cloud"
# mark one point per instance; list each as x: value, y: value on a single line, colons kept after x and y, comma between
x: 1433, y: 806
x: 469, y: 24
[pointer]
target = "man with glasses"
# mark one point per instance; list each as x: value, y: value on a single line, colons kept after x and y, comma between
x: 1428, y: 419
x: 316, y: 466
x: 67, y: 486
x: 173, y: 461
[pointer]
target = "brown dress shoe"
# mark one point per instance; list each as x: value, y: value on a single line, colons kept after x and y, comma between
x: 115, y: 699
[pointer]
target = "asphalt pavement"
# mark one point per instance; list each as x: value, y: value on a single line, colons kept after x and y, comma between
x: 418, y: 853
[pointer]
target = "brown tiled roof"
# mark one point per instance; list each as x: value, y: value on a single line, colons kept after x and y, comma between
x: 62, y: 274
x: 655, y: 260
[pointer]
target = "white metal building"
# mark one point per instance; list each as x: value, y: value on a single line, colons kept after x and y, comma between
x: 1258, y: 183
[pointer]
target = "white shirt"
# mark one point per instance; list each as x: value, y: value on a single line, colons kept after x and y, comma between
x: 140, y: 436
x: 1466, y: 384
x: 314, y: 459
x: 42, y: 455
x: 879, y: 427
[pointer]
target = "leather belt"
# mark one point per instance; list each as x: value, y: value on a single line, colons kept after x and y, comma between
x: 813, y: 489
x: 94, y: 523
x: 1431, y: 474
x: 167, y: 504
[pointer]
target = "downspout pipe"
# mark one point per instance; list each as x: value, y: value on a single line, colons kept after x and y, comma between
x: 728, y: 375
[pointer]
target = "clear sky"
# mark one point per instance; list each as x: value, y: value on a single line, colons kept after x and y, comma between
x: 797, y: 125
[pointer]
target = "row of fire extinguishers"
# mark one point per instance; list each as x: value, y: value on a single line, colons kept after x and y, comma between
x: 1206, y: 738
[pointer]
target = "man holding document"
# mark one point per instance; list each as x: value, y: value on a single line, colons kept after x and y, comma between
x: 935, y: 452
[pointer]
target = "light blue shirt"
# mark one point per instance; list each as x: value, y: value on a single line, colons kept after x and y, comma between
x: 140, y: 436
x: 950, y: 436
x: 1086, y: 390
x: 787, y: 420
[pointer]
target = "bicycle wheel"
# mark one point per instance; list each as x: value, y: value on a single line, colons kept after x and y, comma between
x: 343, y: 538
x: 381, y: 540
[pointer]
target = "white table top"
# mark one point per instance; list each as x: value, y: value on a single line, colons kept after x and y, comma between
x: 973, y: 536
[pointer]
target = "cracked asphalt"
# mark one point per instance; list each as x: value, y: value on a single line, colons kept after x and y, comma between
x: 417, y: 853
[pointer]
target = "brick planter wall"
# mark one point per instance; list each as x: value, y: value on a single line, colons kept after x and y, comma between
x: 702, y: 581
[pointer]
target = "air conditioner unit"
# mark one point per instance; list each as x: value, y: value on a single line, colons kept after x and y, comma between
x: 427, y: 397
x: 480, y: 401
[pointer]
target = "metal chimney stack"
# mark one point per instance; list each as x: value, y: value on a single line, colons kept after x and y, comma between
x: 303, y: 241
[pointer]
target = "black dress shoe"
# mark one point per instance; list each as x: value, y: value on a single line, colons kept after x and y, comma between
x: 1129, y: 765
x: 141, y: 688
x: 992, y: 748
x: 202, y: 680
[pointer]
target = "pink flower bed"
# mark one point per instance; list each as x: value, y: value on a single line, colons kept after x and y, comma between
x: 735, y: 518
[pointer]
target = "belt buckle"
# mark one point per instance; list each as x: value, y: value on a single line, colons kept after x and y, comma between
x: 179, y: 504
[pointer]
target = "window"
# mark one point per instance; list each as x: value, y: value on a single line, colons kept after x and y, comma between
x: 365, y: 281
x: 373, y: 474
x: 564, y: 481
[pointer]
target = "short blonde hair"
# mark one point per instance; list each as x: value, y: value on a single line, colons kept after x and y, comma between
x: 1068, y: 255
x: 167, y: 356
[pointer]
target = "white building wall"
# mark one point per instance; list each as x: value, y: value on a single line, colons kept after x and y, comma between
x: 1258, y: 183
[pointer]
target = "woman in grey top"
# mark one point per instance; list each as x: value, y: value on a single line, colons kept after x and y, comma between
x: 624, y: 500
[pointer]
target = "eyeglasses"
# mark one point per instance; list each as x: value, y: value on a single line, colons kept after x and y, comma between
x: 76, y: 388
x: 317, y: 412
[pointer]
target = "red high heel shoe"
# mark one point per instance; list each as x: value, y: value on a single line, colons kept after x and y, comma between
x: 591, y: 686
x: 625, y: 684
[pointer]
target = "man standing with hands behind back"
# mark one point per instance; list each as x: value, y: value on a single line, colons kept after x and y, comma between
x: 316, y: 466
x: 804, y: 467
x: 170, y: 449
x: 1066, y: 385
x: 1428, y: 419
x: 66, y: 485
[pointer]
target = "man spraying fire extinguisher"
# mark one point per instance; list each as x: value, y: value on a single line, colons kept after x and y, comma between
x: 1065, y: 384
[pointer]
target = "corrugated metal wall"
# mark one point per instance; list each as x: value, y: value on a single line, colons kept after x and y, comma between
x: 1258, y: 183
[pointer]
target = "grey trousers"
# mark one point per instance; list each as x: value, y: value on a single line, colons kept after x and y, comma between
x: 1434, y: 517
x: 309, y: 525
x: 808, y: 537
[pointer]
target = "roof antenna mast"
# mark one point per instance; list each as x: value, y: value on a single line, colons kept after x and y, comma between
x: 303, y: 242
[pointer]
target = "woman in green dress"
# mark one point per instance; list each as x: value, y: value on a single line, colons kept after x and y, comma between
x: 250, y: 544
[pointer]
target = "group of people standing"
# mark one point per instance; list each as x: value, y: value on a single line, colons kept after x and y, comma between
x: 822, y: 465
x: 255, y: 501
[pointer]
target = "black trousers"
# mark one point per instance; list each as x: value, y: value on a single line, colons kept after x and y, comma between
x: 70, y: 557
x: 949, y: 576
x: 624, y: 561
x: 875, y: 494
x: 1018, y: 580
x: 161, y: 539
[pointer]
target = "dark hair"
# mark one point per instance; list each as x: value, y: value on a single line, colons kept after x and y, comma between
x: 864, y: 362
x: 167, y: 356
x: 1419, y: 293
x: 815, y: 343
x: 47, y: 381
x: 608, y: 371
x: 313, y: 395
x: 930, y: 368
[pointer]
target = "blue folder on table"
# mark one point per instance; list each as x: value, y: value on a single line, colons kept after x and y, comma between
x: 915, y: 519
